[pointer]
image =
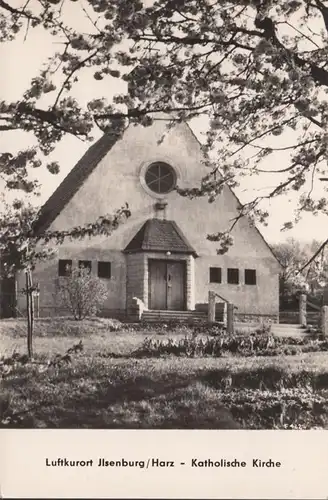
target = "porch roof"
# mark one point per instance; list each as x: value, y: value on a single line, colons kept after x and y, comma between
x: 160, y: 236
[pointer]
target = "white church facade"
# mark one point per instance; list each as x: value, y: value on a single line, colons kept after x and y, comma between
x: 160, y: 257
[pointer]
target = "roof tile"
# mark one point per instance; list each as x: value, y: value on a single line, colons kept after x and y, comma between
x: 160, y: 236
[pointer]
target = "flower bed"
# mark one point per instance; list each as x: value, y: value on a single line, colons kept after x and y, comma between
x: 250, y: 345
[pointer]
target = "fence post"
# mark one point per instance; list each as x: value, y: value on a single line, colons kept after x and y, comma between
x: 230, y: 318
x: 38, y: 305
x: 211, y: 307
x: 324, y: 320
x: 302, y: 309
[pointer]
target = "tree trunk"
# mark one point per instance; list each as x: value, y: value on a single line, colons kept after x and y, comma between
x: 29, y: 312
x: 32, y: 307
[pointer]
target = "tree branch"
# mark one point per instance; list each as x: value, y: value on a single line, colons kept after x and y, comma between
x: 138, y: 113
x: 4, y: 128
x: 12, y: 10
x: 44, y: 116
x: 314, y: 256
x: 318, y: 74
x: 191, y: 41
x: 77, y: 67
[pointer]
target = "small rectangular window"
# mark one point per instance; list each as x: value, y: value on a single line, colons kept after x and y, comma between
x: 104, y: 270
x: 215, y: 275
x: 250, y: 277
x: 85, y: 264
x: 233, y: 276
x: 64, y: 267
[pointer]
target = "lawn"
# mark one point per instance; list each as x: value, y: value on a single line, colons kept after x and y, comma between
x: 108, y: 386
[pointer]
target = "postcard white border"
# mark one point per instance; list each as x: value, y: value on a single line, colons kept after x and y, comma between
x: 303, y: 456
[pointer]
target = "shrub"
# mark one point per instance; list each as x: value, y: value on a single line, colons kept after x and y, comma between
x: 242, y: 345
x: 176, y: 327
x: 291, y: 408
x: 82, y: 293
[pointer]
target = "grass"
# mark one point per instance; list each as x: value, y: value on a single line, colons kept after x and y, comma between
x: 97, y: 390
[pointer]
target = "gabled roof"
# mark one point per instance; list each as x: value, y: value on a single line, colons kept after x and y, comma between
x: 160, y: 236
x: 74, y: 180
x: 81, y: 171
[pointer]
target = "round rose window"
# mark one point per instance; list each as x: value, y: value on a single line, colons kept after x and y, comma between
x: 160, y: 178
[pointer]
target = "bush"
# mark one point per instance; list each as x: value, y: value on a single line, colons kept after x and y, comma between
x: 242, y: 345
x: 291, y: 408
x: 82, y: 293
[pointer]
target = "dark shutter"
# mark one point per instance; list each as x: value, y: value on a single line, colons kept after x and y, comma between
x: 250, y: 277
x: 233, y: 276
x: 215, y: 275
x: 104, y: 270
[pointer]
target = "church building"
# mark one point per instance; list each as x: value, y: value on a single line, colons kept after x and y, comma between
x: 160, y: 258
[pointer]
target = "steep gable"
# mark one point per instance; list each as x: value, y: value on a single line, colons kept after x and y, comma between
x: 105, y: 193
x: 74, y: 180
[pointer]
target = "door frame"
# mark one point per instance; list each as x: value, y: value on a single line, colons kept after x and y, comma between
x: 168, y: 261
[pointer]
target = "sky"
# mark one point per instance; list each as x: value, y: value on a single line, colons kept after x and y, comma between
x: 21, y: 60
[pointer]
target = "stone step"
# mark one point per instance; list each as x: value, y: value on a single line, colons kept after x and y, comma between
x: 273, y: 325
x: 168, y: 315
x: 204, y: 316
x: 292, y: 318
x: 170, y: 318
x: 276, y: 329
x: 288, y: 330
x: 289, y: 325
x: 174, y: 313
x: 289, y: 333
x: 154, y: 316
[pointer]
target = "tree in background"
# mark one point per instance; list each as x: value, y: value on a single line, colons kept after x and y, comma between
x: 294, y: 256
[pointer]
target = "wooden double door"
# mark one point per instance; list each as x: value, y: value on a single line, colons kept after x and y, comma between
x: 167, y: 285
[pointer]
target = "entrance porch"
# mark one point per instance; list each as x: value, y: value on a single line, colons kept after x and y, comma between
x: 160, y: 268
x: 160, y: 282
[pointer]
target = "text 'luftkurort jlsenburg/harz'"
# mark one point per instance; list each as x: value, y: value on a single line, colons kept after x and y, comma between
x: 157, y: 462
